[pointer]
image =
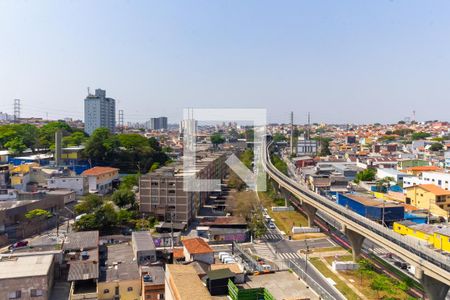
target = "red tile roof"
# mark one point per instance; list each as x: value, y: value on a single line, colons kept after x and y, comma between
x: 95, y: 171
x: 178, y: 253
x: 424, y: 168
x: 197, y: 246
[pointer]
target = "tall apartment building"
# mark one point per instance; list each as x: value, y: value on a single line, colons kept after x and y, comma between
x: 162, y: 192
x: 157, y: 123
x: 99, y: 111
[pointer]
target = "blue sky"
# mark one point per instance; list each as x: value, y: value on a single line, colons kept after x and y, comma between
x: 344, y: 61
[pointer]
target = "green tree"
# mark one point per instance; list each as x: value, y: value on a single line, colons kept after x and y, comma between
x: 279, y: 164
x: 106, y: 215
x: 217, y: 139
x: 37, y: 214
x: 123, y: 198
x: 278, y: 137
x: 324, y: 147
x: 101, y: 146
x: 124, y: 217
x: 127, y: 182
x: 403, y: 131
x: 88, y: 204
x: 436, y: 147
x: 247, y: 158
x: 47, y: 133
x: 366, y: 175
x: 86, y: 223
x: 19, y: 137
x: 420, y: 135
x: 16, y: 145
x: 257, y: 226
x: 75, y: 139
x: 154, y: 144
x: 133, y: 141
x: 154, y: 167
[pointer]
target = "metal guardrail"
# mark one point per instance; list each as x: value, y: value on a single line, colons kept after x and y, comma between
x: 405, y: 242
x: 323, y: 293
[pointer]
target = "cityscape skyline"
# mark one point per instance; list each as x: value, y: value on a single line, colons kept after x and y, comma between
x: 257, y: 55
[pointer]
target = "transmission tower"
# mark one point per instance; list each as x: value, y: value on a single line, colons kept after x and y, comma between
x: 121, y: 120
x: 16, y: 110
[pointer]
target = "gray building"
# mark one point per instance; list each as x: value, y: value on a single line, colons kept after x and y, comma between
x: 143, y: 247
x: 99, y: 111
x: 157, y: 123
x: 162, y: 192
x: 26, y: 277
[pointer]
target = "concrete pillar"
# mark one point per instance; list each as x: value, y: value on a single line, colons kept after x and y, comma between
x: 356, y: 240
x: 310, y: 212
x: 434, y: 289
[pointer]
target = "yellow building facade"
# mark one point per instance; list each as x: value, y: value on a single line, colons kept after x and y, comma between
x: 430, y: 197
x: 435, y: 235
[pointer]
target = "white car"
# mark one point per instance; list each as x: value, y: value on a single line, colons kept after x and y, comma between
x: 225, y: 257
x: 222, y: 254
x: 229, y: 260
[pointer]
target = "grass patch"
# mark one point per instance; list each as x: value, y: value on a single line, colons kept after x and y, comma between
x: 285, y: 220
x: 340, y: 285
x: 328, y: 249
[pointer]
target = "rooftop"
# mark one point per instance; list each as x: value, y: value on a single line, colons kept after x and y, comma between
x: 156, y: 272
x: 423, y: 168
x: 197, y: 246
x: 95, y: 171
x: 25, y: 266
x: 233, y: 267
x: 120, y: 264
x: 185, y: 283
x: 434, y: 189
x: 370, y: 201
x: 143, y: 241
x: 81, y: 240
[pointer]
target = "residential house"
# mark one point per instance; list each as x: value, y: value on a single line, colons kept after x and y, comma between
x: 430, y: 197
x: 78, y: 184
x: 120, y: 278
x: 28, y: 277
x: 183, y: 283
x: 153, y: 287
x: 196, y: 249
x: 143, y: 247
x: 100, y: 179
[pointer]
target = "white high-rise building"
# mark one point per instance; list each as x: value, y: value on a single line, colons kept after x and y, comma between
x: 99, y: 111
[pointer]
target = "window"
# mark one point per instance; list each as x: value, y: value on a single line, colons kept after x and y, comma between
x: 105, y: 291
x: 36, y: 292
x: 15, y: 295
x: 129, y: 289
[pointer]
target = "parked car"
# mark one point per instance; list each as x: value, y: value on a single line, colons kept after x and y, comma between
x: 402, y: 265
x: 19, y: 245
x: 223, y: 254
x: 229, y: 260
x: 225, y: 257
x: 266, y: 268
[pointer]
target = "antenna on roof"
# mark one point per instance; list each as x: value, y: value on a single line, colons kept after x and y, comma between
x: 89, y: 91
